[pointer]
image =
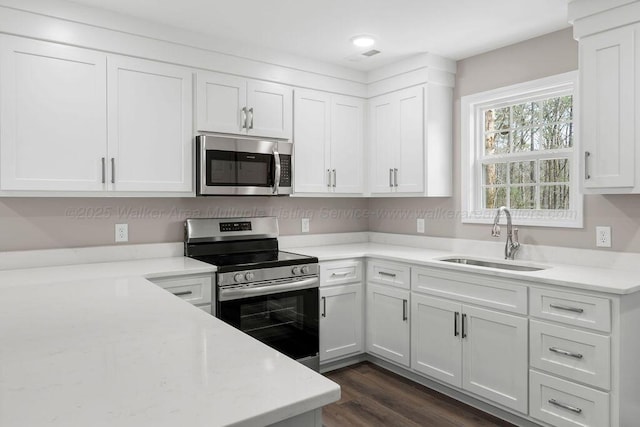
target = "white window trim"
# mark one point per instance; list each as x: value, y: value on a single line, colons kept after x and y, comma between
x: 471, y: 144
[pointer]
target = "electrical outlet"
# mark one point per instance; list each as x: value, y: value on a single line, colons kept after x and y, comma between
x: 420, y: 225
x: 305, y: 225
x: 122, y: 232
x: 603, y: 237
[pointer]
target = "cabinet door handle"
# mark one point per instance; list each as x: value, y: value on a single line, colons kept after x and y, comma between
x: 104, y: 170
x: 391, y: 178
x: 395, y: 177
x: 565, y: 352
x: 384, y: 273
x: 183, y: 293
x: 113, y: 170
x: 324, y: 306
x: 335, y: 178
x: 456, y: 316
x: 464, y: 325
x: 244, y: 117
x: 586, y: 165
x: 567, y: 308
x: 404, y: 310
x: 565, y: 406
x: 329, y: 178
x: 251, y: 122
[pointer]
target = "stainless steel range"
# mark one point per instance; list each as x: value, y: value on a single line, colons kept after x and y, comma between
x: 270, y: 294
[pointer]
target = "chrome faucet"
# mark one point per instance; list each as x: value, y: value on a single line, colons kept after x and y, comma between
x: 512, y: 244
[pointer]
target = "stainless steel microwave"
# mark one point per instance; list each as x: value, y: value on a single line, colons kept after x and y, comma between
x: 237, y: 165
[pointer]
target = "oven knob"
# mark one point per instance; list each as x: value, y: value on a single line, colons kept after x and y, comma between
x: 305, y: 269
x: 238, y: 277
x: 295, y: 270
x: 249, y: 276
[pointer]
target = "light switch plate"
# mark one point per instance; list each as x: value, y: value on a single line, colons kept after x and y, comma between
x: 305, y: 225
x: 603, y: 236
x: 420, y: 225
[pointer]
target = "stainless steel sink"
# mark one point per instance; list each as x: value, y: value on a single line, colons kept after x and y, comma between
x: 491, y: 264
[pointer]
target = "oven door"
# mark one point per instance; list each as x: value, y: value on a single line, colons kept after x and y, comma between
x: 229, y: 165
x: 287, y: 320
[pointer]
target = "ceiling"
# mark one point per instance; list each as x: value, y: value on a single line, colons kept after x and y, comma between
x: 322, y: 29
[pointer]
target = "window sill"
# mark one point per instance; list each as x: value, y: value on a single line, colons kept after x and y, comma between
x: 569, y: 219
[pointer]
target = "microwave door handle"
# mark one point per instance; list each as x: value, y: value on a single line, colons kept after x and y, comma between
x: 276, y: 180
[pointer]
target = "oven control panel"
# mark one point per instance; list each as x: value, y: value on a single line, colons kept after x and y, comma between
x: 235, y: 278
x: 226, y: 227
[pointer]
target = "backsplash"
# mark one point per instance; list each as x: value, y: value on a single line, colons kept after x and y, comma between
x: 47, y: 223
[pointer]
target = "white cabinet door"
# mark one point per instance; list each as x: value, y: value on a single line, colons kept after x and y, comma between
x: 150, y: 126
x: 221, y: 99
x: 409, y: 143
x: 312, y: 141
x: 340, y: 321
x: 607, y: 82
x: 388, y: 323
x: 347, y: 121
x: 495, y: 357
x: 383, y: 118
x: 436, y: 348
x: 53, y: 118
x: 269, y: 110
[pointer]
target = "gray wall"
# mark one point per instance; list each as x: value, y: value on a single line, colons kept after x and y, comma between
x: 550, y: 54
x: 38, y: 223
x: 43, y: 223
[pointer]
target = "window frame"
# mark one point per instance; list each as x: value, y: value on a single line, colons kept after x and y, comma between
x: 472, y: 152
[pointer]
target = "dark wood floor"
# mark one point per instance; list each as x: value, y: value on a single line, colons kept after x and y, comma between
x: 372, y: 396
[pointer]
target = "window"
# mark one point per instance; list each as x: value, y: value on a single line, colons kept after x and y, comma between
x: 518, y: 150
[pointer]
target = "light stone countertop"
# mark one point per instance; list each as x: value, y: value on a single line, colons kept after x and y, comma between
x: 612, y: 281
x: 121, y: 351
x: 148, y: 268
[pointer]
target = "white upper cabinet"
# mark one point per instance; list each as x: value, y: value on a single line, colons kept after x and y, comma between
x: 607, y: 80
x: 397, y: 136
x: 53, y: 116
x: 328, y: 143
x: 221, y: 100
x: 236, y: 105
x: 150, y: 126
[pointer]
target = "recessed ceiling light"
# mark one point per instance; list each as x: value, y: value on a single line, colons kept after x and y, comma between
x: 363, y: 41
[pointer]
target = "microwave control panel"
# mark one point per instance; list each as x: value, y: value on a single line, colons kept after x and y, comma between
x: 285, y: 170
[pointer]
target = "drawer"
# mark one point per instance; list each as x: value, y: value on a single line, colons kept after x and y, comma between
x: 577, y: 355
x: 487, y: 291
x: 193, y: 289
x: 565, y: 404
x: 340, y: 272
x: 572, y: 309
x: 389, y: 273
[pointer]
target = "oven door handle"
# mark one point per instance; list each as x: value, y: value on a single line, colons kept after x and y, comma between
x: 276, y: 178
x: 238, y: 293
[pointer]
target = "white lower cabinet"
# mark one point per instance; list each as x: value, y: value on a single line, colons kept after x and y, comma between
x: 482, y: 351
x: 340, y: 321
x: 565, y: 404
x: 341, y: 309
x: 195, y: 289
x: 388, y: 331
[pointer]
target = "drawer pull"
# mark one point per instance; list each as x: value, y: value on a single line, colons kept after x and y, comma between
x: 183, y: 293
x: 384, y: 273
x: 565, y: 352
x: 566, y: 308
x: 565, y: 406
x: 346, y: 273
